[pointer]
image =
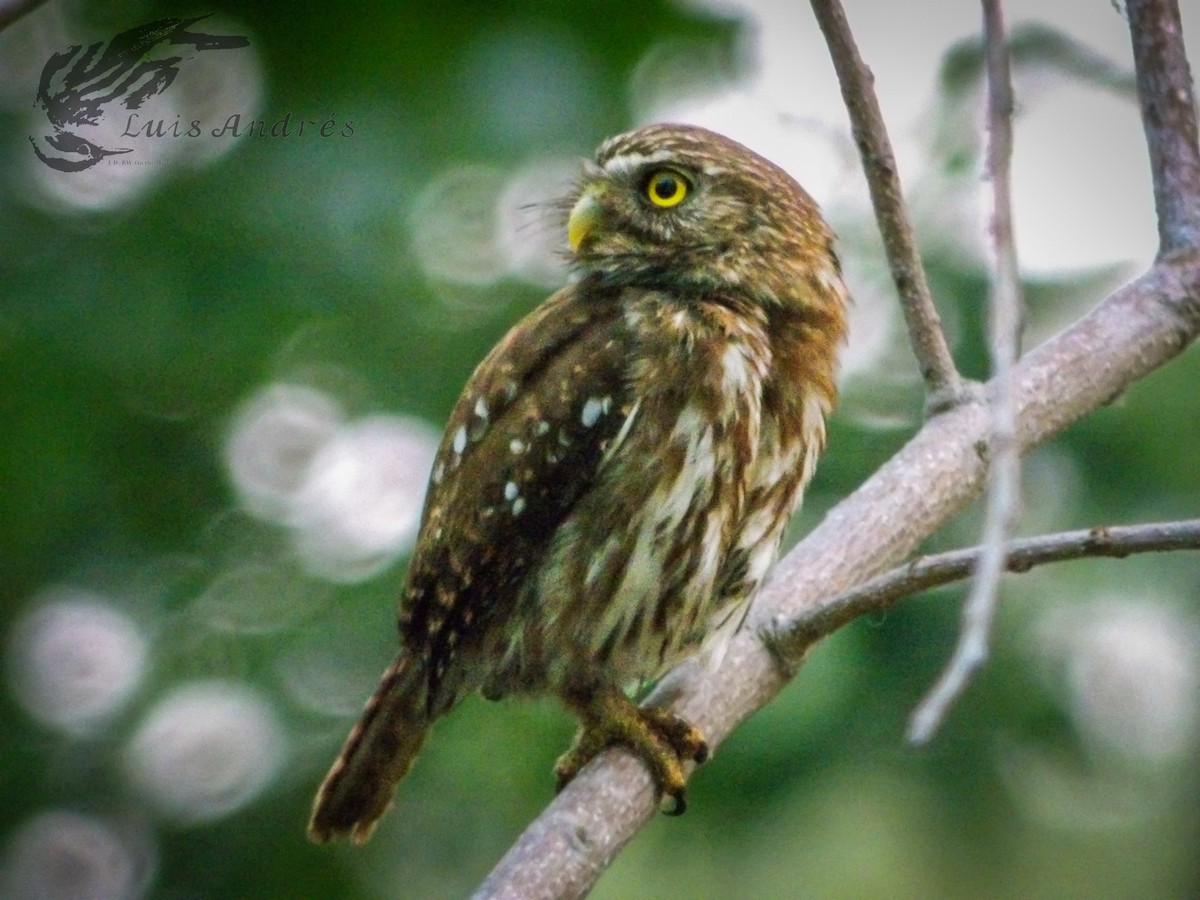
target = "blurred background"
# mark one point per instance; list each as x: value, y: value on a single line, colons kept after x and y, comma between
x: 225, y: 360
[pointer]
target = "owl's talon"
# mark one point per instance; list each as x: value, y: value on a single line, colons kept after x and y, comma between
x: 662, y: 739
x: 683, y: 737
x: 674, y: 804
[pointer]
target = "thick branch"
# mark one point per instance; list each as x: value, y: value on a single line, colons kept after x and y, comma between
x: 1168, y: 107
x: 943, y: 384
x: 1004, y: 334
x: 923, y: 573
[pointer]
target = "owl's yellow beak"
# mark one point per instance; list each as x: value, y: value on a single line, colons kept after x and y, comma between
x: 583, y: 218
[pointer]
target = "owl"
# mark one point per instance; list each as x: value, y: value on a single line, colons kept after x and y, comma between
x: 615, y: 478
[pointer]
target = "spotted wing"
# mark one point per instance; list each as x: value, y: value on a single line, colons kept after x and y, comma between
x: 523, y: 444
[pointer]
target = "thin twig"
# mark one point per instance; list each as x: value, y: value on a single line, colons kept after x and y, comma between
x: 1167, y: 102
x: 943, y: 384
x: 926, y: 572
x: 1003, y: 494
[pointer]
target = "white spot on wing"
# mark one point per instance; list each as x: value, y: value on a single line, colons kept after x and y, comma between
x: 593, y: 409
x: 516, y: 446
x: 481, y: 409
x: 460, y: 439
x: 511, y: 491
x: 518, y: 506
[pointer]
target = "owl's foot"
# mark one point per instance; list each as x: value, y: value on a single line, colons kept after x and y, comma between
x: 662, y: 739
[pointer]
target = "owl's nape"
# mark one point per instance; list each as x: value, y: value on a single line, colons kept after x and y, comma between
x: 615, y: 478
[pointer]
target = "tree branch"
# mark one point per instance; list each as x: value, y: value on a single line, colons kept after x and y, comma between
x: 1003, y: 493
x: 943, y: 384
x: 923, y: 573
x: 1132, y: 332
x: 11, y: 10
x: 1165, y: 94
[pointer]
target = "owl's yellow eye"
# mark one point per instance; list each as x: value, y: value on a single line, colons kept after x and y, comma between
x: 666, y: 187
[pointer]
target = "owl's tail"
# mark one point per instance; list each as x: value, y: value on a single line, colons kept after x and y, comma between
x: 377, y: 754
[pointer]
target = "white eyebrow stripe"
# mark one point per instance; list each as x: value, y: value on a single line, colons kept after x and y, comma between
x: 625, y: 163
x: 628, y: 162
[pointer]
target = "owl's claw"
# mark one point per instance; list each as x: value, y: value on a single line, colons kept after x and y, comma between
x: 662, y: 739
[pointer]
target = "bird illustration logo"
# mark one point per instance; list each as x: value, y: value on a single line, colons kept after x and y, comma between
x: 79, y: 85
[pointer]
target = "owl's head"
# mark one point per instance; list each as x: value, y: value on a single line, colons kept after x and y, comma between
x: 682, y: 208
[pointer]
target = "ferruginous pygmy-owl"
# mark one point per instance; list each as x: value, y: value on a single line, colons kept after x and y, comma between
x: 614, y: 480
